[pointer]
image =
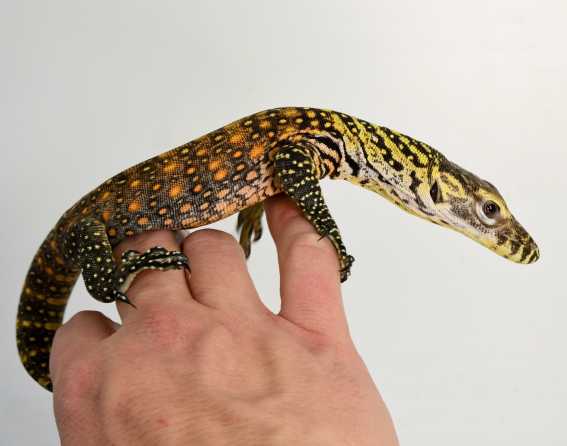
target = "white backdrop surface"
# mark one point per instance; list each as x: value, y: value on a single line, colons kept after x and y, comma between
x: 465, y: 347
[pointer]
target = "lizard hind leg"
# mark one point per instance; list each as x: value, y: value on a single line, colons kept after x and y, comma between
x: 105, y: 280
x: 249, y: 225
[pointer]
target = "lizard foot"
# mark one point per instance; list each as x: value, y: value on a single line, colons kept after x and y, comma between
x: 157, y: 258
x: 250, y: 224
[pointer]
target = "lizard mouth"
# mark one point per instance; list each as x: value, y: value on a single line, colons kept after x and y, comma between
x: 517, y: 250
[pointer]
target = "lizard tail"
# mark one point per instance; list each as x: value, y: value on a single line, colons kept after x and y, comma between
x: 47, y: 288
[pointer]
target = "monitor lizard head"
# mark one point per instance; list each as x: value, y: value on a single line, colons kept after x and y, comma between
x: 468, y: 204
x: 420, y: 180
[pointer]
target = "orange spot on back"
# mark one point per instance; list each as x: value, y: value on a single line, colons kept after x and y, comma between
x: 265, y: 124
x: 156, y: 187
x: 214, y: 165
x: 220, y: 175
x: 227, y: 209
x: 133, y: 206
x: 162, y: 211
x: 223, y: 193
x: 105, y: 196
x: 142, y: 221
x: 107, y: 214
x: 191, y: 170
x: 175, y: 190
x: 204, y: 206
x: 135, y: 183
x: 170, y: 167
x: 291, y: 112
x: 257, y: 151
x: 252, y: 175
x: 201, y: 152
x: 198, y: 188
x: 168, y: 222
x: 112, y: 232
x: 237, y: 154
x: 236, y: 138
x: 185, y: 208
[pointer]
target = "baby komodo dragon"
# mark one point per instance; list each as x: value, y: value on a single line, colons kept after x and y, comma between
x: 234, y: 169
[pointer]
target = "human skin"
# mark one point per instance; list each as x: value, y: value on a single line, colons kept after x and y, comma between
x: 202, y: 361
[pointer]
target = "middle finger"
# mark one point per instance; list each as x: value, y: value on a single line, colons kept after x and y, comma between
x: 219, y: 277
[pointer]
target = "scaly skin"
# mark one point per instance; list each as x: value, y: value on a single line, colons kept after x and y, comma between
x: 234, y: 169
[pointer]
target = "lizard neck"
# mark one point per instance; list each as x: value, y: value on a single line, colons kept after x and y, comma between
x: 387, y: 162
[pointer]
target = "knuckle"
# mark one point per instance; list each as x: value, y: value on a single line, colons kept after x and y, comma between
x: 120, y: 401
x: 320, y: 344
x: 219, y: 334
x: 287, y: 213
x: 306, y: 239
x: 217, y: 340
x: 165, y: 327
x: 329, y: 349
x: 308, y: 245
x: 76, y: 381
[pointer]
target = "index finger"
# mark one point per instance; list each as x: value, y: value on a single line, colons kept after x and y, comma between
x: 309, y: 271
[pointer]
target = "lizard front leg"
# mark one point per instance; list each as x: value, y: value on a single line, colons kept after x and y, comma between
x: 295, y: 171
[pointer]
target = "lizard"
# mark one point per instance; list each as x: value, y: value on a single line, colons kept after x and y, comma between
x: 234, y: 169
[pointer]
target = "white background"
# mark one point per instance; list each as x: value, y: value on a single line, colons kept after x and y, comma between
x: 465, y: 347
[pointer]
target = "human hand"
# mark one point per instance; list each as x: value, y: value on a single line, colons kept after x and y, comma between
x: 202, y: 361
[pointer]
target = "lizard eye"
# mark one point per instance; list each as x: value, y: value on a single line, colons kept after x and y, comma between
x: 490, y: 209
x: 488, y: 212
x: 435, y: 193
